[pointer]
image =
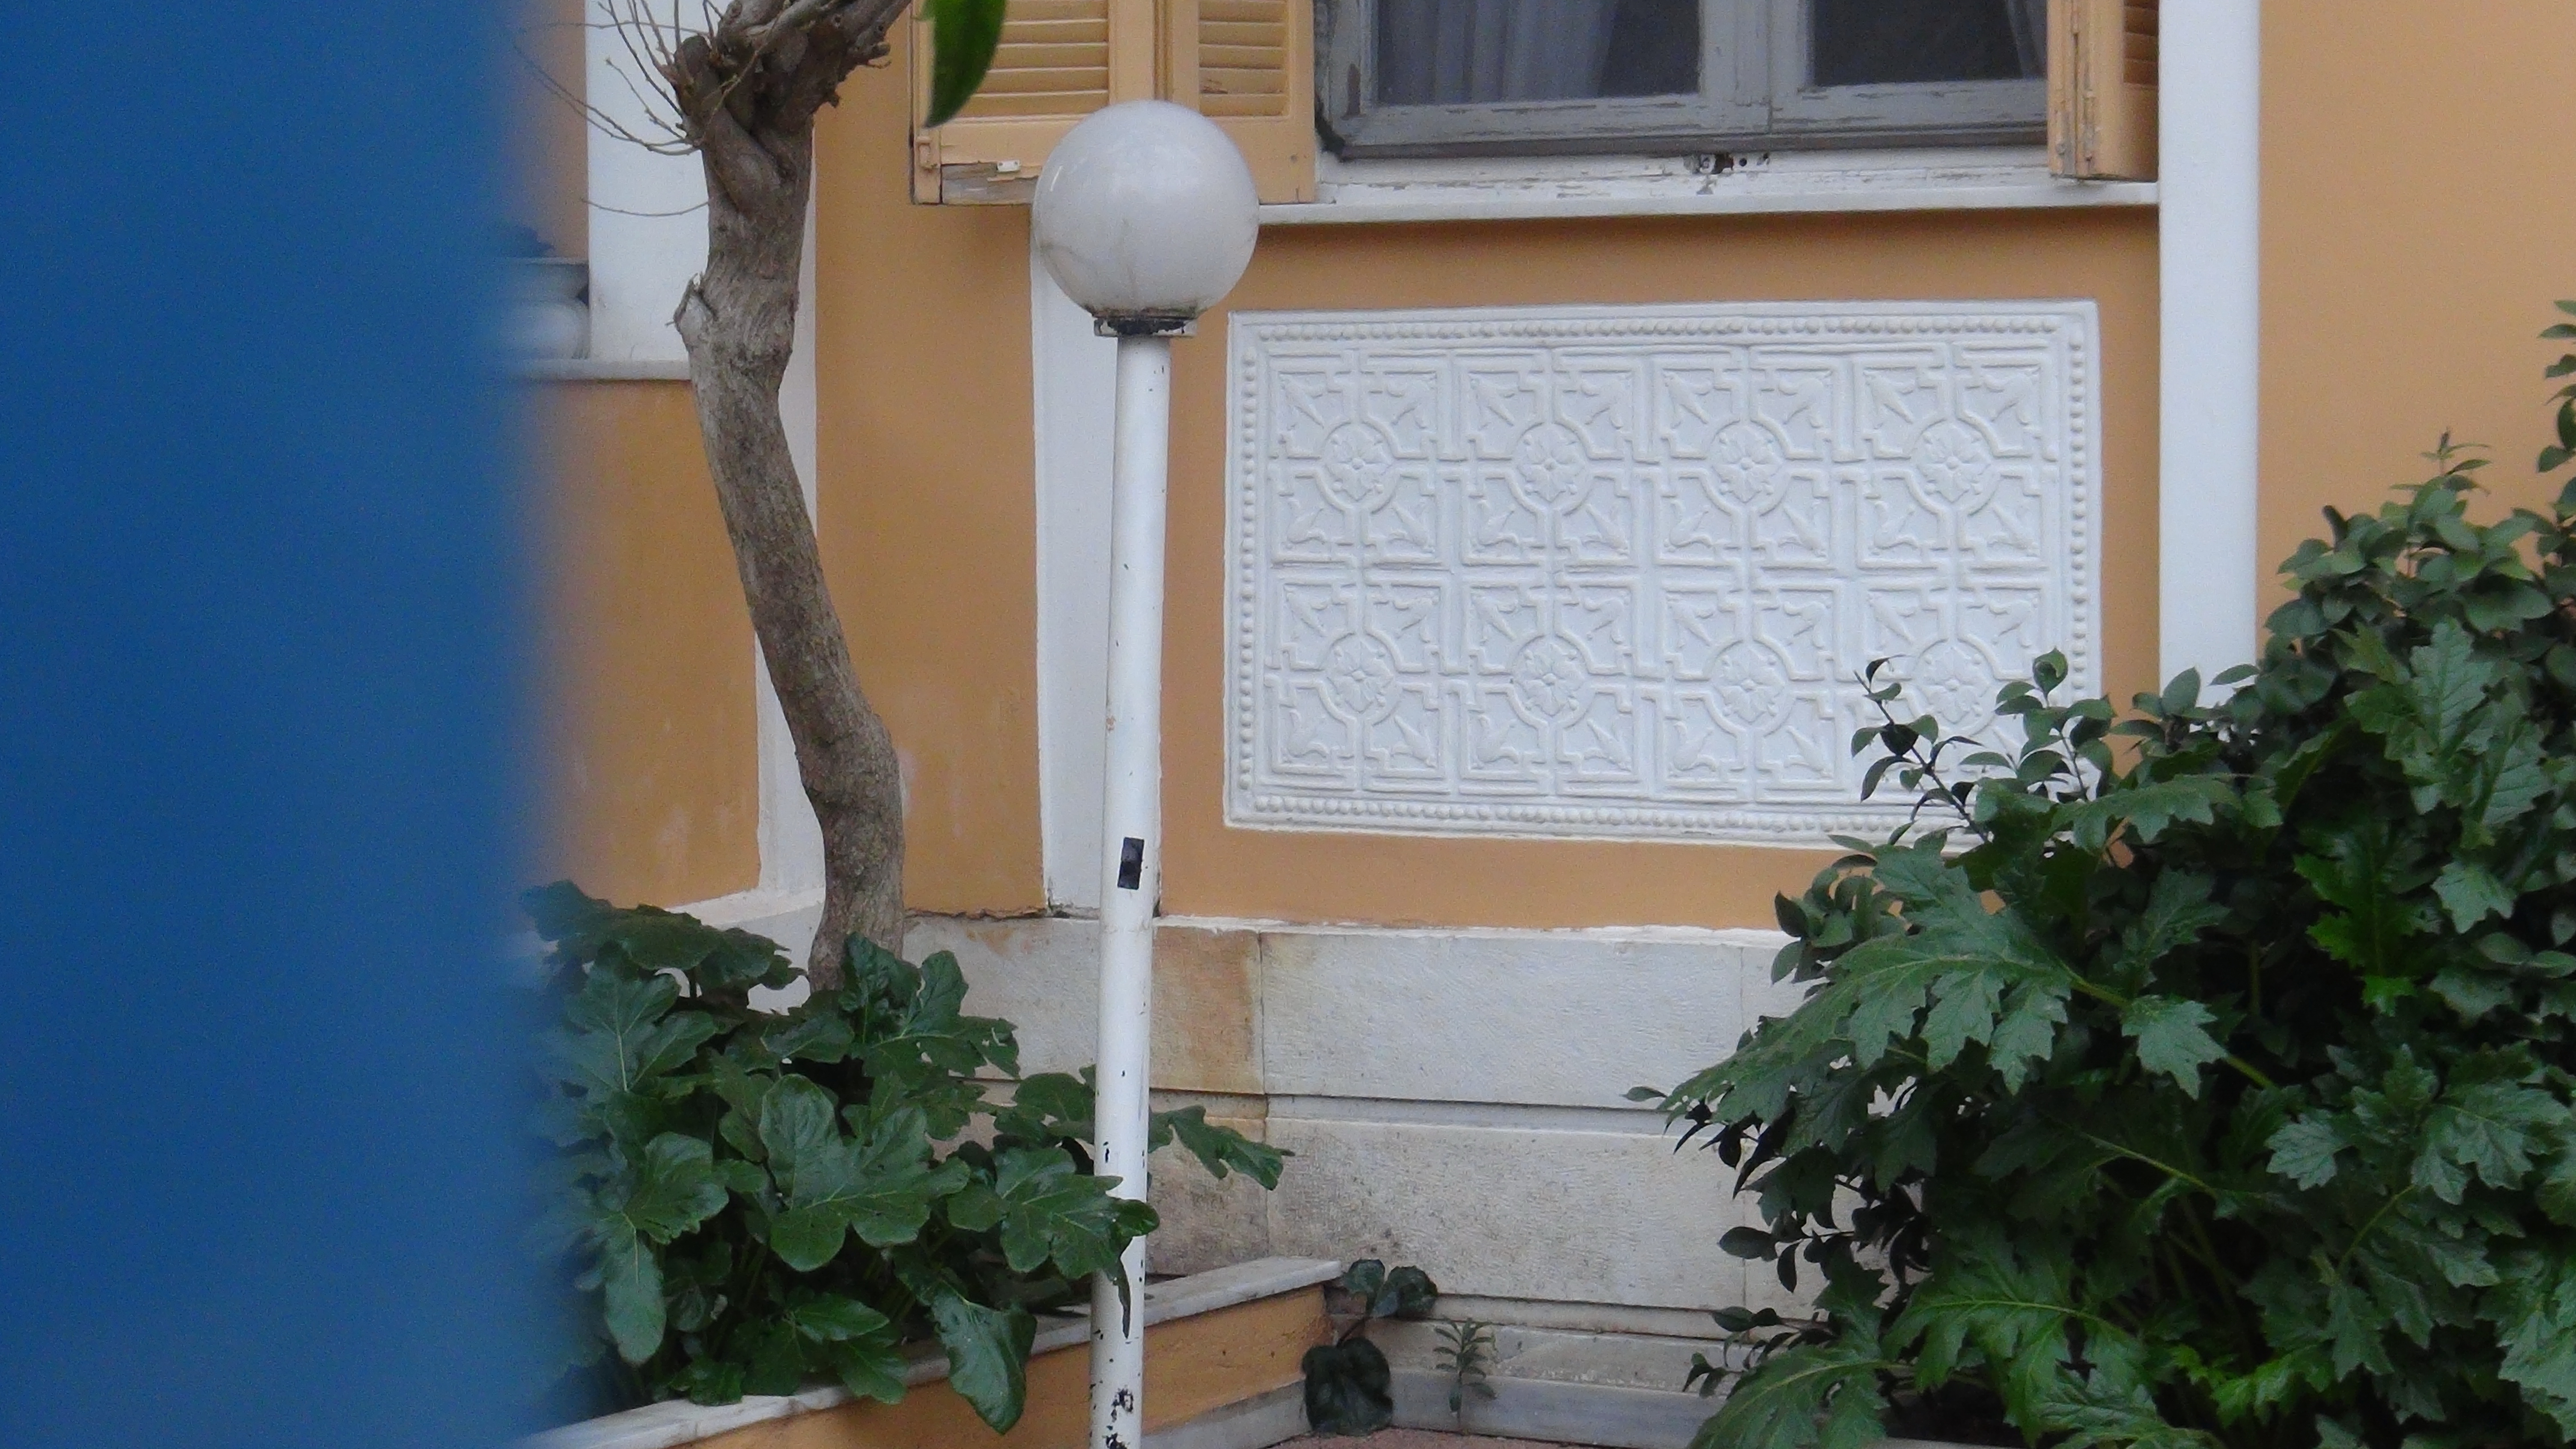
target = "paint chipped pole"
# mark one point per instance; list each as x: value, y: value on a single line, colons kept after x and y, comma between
x: 1145, y: 216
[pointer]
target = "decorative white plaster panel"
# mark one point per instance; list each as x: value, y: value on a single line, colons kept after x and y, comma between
x: 1615, y: 571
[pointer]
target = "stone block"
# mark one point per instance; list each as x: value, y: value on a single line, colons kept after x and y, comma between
x: 1042, y: 973
x: 1207, y: 1223
x: 1548, y: 1018
x: 1513, y: 1212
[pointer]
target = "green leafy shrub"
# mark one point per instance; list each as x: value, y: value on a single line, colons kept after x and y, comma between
x: 1349, y: 1384
x: 751, y: 1200
x: 2202, y: 1076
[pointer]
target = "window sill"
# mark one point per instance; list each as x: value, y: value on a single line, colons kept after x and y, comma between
x: 1556, y: 187
x: 600, y: 369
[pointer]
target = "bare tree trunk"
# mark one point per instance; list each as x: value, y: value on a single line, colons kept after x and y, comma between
x: 751, y: 105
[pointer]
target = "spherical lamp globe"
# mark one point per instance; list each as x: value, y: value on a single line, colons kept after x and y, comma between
x: 1146, y: 215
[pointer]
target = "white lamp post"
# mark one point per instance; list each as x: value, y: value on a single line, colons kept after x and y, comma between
x: 1145, y: 216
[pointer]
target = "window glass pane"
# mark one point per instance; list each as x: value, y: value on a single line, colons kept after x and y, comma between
x: 1654, y: 49
x: 1450, y: 52
x: 1882, y: 42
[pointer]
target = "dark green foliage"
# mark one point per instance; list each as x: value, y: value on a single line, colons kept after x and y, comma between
x: 1348, y: 1383
x: 964, y: 35
x: 2203, y: 1076
x: 753, y: 1200
x: 1383, y: 1292
x: 1348, y: 1388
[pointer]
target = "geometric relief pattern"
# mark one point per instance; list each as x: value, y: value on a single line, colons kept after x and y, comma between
x: 1615, y: 572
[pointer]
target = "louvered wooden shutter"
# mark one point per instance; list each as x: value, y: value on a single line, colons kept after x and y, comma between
x: 2102, y: 89
x: 1249, y: 66
x: 1246, y: 64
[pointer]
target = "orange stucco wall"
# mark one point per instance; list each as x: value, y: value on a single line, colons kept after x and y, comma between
x: 928, y: 513
x: 2417, y: 224
x: 926, y: 505
x: 648, y: 687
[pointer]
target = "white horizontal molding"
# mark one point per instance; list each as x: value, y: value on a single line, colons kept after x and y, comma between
x: 1616, y: 1416
x: 1521, y: 1029
x: 789, y: 918
x: 1615, y: 572
x: 1630, y: 1120
x: 1546, y: 187
x: 601, y: 369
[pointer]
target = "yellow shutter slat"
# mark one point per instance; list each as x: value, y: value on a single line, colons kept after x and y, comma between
x: 1049, y: 103
x: 1265, y: 90
x: 1021, y: 12
x: 1093, y: 33
x: 1267, y: 60
x: 2102, y: 67
x: 1025, y: 80
x: 1214, y: 33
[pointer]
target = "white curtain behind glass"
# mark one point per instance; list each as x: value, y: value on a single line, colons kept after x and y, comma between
x: 2030, y: 35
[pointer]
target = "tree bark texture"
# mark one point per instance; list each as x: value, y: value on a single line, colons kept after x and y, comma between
x: 748, y: 90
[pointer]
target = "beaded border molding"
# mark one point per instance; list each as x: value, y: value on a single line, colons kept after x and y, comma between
x: 1614, y: 572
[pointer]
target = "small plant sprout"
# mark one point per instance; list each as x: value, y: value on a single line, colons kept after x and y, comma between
x: 1466, y: 1354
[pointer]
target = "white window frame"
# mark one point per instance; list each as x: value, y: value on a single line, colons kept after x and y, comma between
x: 1754, y: 96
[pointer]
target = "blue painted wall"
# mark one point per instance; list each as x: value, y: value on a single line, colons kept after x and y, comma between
x: 260, y: 611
